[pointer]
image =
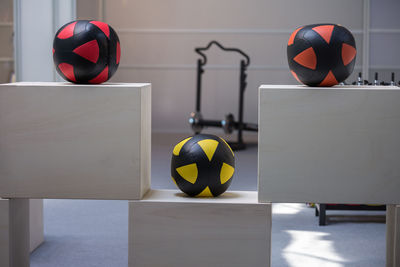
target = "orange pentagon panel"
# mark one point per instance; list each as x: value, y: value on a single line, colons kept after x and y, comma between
x: 291, y: 39
x: 348, y: 53
x: 307, y: 58
x: 325, y: 31
x: 329, y: 80
x: 295, y: 76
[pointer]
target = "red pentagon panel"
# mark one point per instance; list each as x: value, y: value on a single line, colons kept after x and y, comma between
x: 307, y: 58
x: 67, y: 32
x: 102, y: 77
x: 118, y: 53
x: 348, y: 53
x: 89, y: 50
x: 291, y: 39
x: 68, y: 71
x: 329, y: 80
x: 325, y: 31
x: 103, y: 27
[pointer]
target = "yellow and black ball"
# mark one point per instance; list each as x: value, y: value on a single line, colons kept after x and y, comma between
x: 202, y: 165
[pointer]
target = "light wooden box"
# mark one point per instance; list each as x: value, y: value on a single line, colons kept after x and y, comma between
x: 60, y: 140
x: 393, y: 235
x: 166, y: 228
x: 14, y: 233
x: 329, y: 145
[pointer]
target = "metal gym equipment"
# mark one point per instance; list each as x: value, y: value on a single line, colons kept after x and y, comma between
x: 228, y: 124
x: 376, y: 81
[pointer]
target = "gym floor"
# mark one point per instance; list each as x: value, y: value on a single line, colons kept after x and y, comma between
x: 94, y: 232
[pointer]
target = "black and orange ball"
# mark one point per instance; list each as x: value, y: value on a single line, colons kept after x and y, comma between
x: 202, y: 165
x: 321, y: 54
x: 86, y: 51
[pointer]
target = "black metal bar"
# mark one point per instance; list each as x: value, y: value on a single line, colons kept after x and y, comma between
x: 200, y: 49
x: 240, y: 126
x: 253, y: 127
x: 210, y: 123
x: 200, y: 71
x: 242, y: 87
x: 322, y: 214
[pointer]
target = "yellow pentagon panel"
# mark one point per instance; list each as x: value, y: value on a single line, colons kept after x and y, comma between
x: 205, y: 193
x: 188, y: 172
x: 209, y: 146
x: 179, y: 146
x: 226, y: 173
x: 233, y: 154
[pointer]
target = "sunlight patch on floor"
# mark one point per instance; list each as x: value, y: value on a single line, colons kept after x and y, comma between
x: 287, y: 208
x: 308, y: 248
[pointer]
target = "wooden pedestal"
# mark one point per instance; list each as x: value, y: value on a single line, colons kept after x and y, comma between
x: 167, y: 228
x: 393, y: 236
x: 60, y: 140
x: 329, y: 145
x: 332, y: 145
x: 14, y: 233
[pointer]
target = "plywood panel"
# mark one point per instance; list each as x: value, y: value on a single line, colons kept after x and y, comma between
x: 6, y: 11
x: 88, y: 9
x: 6, y: 41
x: 173, y: 49
x: 231, y: 13
x: 5, y: 71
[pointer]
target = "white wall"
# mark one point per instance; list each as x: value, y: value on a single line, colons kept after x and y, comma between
x: 35, y: 23
x: 385, y: 38
x: 158, y: 38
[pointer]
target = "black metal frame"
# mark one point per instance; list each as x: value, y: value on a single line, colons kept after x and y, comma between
x: 320, y: 209
x: 237, y: 125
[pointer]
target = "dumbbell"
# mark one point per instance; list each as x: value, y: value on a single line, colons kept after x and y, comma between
x: 228, y: 124
x: 376, y: 81
x: 359, y: 81
x: 392, y: 82
x: 197, y: 122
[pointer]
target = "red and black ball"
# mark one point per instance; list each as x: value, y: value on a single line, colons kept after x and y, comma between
x: 86, y: 51
x: 321, y: 54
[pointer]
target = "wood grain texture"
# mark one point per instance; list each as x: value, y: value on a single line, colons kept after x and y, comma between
x: 392, y: 235
x: 4, y: 233
x: 14, y: 232
x: 396, y: 244
x: 36, y: 226
x: 60, y: 140
x: 329, y: 145
x: 168, y: 229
